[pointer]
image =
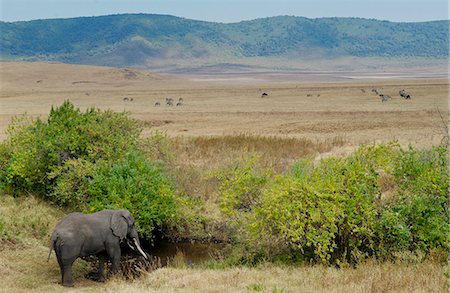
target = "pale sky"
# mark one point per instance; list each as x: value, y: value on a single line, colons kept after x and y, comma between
x: 229, y: 10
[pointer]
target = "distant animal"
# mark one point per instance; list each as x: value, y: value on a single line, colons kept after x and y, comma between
x: 169, y: 103
x: 157, y: 104
x: 180, y: 100
x: 384, y: 98
x: 375, y: 91
x: 179, y: 104
x: 404, y: 94
x: 309, y: 95
x: 264, y: 95
x: 126, y: 99
x: 363, y: 90
x: 318, y: 95
x: 131, y: 99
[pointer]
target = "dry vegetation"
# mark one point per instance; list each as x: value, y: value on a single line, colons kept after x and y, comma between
x: 217, y: 123
x: 225, y: 109
x: 24, y: 267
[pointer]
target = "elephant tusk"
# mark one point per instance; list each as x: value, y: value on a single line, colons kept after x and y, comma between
x: 129, y: 244
x: 139, y: 248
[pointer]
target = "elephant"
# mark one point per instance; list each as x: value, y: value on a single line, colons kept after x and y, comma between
x: 100, y: 234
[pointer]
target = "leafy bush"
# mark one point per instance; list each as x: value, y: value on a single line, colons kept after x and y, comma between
x: 71, y: 183
x: 37, y: 148
x: 136, y: 185
x: 295, y: 213
x: 241, y: 187
x: 337, y: 210
x: 86, y: 161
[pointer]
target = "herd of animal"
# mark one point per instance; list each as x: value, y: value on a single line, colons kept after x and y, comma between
x: 170, y: 101
x: 385, y: 98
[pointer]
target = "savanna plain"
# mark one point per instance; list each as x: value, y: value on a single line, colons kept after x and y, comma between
x: 213, y: 123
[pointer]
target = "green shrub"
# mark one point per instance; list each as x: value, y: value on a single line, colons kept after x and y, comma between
x: 86, y: 161
x: 336, y: 212
x: 394, y: 233
x: 423, y: 180
x: 71, y: 183
x: 293, y: 212
x: 133, y: 183
x: 35, y: 149
x: 241, y: 186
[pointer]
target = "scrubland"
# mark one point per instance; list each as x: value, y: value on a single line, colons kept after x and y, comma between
x: 319, y: 187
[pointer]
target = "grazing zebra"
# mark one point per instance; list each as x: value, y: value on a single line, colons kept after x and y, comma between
x: 384, y: 98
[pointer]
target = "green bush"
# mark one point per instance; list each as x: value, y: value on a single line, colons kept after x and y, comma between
x: 291, y: 211
x: 337, y: 211
x: 241, y: 186
x: 134, y: 184
x: 38, y: 148
x: 86, y: 161
x: 71, y: 183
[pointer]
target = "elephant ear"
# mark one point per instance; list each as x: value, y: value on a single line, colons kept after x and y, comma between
x: 119, y: 224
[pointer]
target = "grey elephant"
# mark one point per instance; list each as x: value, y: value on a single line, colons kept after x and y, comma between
x: 100, y: 234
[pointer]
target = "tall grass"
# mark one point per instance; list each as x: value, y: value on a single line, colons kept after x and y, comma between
x: 193, y: 164
x: 276, y: 152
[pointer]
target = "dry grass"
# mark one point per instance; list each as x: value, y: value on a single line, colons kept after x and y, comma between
x: 276, y: 152
x: 368, y: 277
x: 216, y: 125
x: 214, y: 109
x: 24, y: 268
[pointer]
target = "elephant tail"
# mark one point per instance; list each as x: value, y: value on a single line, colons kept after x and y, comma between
x: 52, y: 244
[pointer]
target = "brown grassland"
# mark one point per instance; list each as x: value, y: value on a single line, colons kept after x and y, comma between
x: 217, y: 121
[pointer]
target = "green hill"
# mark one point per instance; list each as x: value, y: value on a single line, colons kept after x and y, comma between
x: 144, y: 39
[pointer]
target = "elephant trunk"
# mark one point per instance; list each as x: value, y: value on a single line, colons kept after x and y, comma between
x: 138, y: 247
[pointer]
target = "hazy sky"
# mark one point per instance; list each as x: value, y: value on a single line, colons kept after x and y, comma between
x: 228, y: 10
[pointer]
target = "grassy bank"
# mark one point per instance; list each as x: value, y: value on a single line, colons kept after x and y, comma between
x: 24, y: 267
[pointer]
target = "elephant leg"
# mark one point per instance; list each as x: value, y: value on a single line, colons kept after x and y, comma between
x: 66, y: 257
x: 67, y: 280
x: 114, y: 254
x: 101, y: 267
x: 99, y: 275
x: 61, y: 266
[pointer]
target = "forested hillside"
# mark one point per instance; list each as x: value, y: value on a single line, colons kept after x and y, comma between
x: 136, y: 39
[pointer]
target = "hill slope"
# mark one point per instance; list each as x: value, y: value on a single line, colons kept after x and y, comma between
x: 148, y: 40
